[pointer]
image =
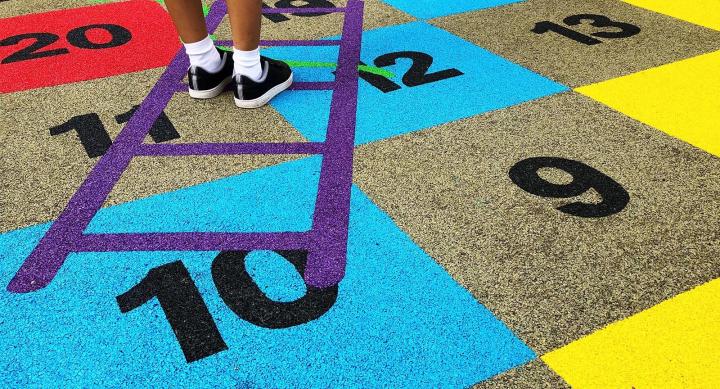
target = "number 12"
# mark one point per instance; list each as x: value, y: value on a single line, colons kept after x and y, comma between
x: 416, y: 75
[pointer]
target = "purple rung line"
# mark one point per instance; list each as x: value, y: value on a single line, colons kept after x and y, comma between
x: 326, y: 264
x: 297, y: 42
x: 320, y: 85
x: 43, y: 263
x: 300, y: 85
x: 303, y: 10
x: 181, y: 149
x: 193, y: 241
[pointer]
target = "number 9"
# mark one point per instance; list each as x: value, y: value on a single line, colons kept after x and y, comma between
x: 614, y: 197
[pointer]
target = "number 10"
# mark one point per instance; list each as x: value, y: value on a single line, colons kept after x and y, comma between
x: 188, y: 315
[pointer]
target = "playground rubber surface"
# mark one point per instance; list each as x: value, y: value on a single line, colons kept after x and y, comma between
x: 506, y: 194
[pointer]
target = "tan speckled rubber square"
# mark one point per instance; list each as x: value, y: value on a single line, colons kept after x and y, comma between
x: 506, y: 31
x: 534, y: 375
x: 553, y: 277
x: 11, y: 8
x: 219, y: 120
x: 42, y: 171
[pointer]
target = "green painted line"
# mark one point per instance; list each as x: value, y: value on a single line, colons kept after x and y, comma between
x: 316, y: 64
x: 310, y: 64
x: 376, y: 70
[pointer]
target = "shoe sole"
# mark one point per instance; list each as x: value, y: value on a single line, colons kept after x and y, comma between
x: 264, y: 99
x: 210, y: 93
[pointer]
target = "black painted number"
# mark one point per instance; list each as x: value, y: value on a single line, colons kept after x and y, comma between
x: 622, y: 30
x: 543, y: 27
x: 614, y: 197
x: 187, y: 313
x: 76, y: 37
x: 278, y: 18
x: 118, y: 36
x: 95, y: 139
x: 42, y: 39
x: 91, y: 132
x: 244, y: 297
x: 183, y: 306
x: 416, y: 75
x: 161, y: 131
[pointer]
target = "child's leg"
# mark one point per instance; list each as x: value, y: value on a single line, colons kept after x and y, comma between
x: 245, y: 24
x: 187, y: 15
x: 210, y: 72
x: 188, y: 18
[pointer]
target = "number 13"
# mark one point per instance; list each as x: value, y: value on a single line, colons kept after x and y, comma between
x: 626, y: 29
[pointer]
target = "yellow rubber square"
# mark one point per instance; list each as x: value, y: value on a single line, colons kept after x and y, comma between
x: 681, y: 99
x: 703, y: 12
x: 674, y: 344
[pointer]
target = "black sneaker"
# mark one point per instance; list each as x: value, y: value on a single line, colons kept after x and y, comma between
x: 204, y: 85
x: 276, y: 77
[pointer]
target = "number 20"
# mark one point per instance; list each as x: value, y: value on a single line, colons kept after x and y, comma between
x: 76, y: 37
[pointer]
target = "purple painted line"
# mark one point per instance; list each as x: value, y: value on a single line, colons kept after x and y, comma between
x: 326, y: 264
x: 180, y: 149
x: 320, y: 85
x: 181, y: 87
x: 302, y: 10
x: 194, y: 241
x: 43, y: 263
x: 311, y: 42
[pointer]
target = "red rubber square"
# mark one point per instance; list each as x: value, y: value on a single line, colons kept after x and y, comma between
x: 65, y: 46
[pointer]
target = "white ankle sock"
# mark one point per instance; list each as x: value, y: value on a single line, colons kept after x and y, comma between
x: 247, y: 63
x: 203, y: 54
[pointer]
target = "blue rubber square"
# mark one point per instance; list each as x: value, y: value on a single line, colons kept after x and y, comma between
x: 399, y: 320
x: 427, y: 9
x: 462, y: 80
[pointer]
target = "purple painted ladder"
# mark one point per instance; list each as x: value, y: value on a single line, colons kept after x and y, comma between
x: 326, y: 242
